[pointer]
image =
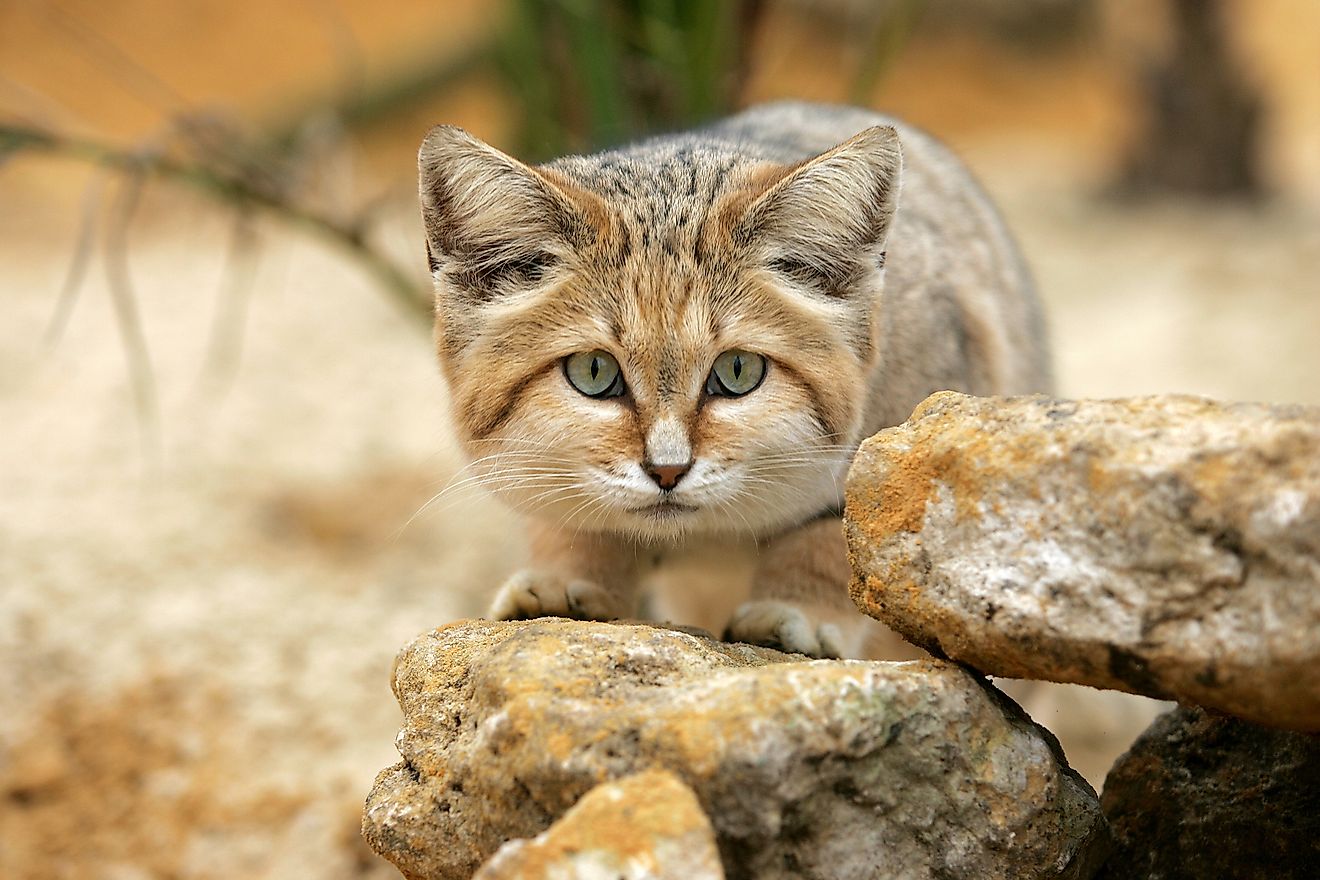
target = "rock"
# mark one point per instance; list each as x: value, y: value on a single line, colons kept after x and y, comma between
x: 816, y: 770
x: 644, y: 827
x: 1165, y: 546
x: 1204, y: 796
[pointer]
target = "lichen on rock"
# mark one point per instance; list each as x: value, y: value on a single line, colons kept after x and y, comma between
x: 809, y: 770
x: 643, y: 827
x: 1166, y: 546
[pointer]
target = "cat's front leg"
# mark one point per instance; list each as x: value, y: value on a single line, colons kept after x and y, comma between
x: 585, y: 576
x: 800, y: 598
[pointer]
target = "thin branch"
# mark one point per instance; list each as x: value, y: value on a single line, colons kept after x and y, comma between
x: 120, y: 282
x: 41, y: 107
x: 410, y: 86
x: 129, y: 73
x: 349, y: 53
x: 79, y: 264
x: 225, y: 347
x: 233, y: 189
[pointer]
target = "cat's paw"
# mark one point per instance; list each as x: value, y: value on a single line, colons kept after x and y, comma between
x: 788, y: 627
x: 531, y: 593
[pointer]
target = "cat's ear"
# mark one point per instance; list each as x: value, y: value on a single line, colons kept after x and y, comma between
x: 492, y: 220
x: 823, y: 221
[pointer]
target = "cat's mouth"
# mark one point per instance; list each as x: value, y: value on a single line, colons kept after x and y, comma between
x: 664, y: 508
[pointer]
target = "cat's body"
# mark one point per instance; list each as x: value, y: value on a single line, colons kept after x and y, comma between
x: 680, y: 343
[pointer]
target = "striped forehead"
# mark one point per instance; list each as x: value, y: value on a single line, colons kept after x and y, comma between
x: 660, y: 194
x: 665, y: 175
x: 664, y: 322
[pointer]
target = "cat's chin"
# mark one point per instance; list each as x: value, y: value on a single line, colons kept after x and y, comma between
x: 664, y: 510
x: 681, y: 517
x: 664, y: 519
x: 678, y: 522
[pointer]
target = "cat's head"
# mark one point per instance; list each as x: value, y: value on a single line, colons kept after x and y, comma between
x: 659, y: 341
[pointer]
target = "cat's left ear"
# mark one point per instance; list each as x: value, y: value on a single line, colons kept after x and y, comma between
x: 822, y: 219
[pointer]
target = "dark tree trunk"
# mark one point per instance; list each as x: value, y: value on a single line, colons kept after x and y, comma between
x: 1203, y: 123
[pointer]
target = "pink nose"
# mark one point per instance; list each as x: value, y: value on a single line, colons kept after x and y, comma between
x: 666, y: 476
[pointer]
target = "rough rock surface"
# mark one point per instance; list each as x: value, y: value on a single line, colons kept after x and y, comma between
x: 807, y: 770
x: 1166, y: 546
x: 645, y: 827
x: 1203, y: 796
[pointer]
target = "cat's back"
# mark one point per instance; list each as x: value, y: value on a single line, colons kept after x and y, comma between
x: 790, y: 131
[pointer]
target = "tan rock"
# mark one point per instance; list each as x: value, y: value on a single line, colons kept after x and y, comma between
x: 1166, y: 546
x: 825, y: 769
x: 644, y: 827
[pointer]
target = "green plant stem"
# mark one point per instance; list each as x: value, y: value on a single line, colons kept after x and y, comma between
x: 595, y: 43
x: 891, y: 33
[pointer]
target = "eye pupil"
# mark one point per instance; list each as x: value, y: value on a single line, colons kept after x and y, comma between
x: 594, y: 373
x: 736, y: 373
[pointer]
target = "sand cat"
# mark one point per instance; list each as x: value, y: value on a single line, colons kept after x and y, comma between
x: 677, y: 345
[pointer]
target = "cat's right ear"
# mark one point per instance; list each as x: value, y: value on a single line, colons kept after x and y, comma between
x: 825, y: 221
x: 493, y: 222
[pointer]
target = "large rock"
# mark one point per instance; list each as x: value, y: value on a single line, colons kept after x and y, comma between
x: 645, y: 827
x: 1166, y: 546
x: 807, y: 770
x: 1202, y: 796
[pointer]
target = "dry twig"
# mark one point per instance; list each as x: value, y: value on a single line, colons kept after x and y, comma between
x: 233, y: 183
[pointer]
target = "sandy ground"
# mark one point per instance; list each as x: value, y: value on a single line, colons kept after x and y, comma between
x: 195, y: 646
x: 196, y: 649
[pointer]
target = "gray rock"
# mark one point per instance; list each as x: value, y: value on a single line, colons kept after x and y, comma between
x: 1166, y: 546
x: 807, y: 770
x: 1202, y: 796
x: 645, y: 827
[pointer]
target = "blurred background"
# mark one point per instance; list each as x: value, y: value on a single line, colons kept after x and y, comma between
x: 221, y: 423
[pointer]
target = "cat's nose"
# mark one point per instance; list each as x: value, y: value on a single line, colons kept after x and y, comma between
x: 666, y: 476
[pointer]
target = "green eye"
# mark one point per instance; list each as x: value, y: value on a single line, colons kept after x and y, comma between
x: 735, y: 373
x: 594, y: 373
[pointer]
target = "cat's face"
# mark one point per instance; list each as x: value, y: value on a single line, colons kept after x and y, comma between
x: 658, y: 344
